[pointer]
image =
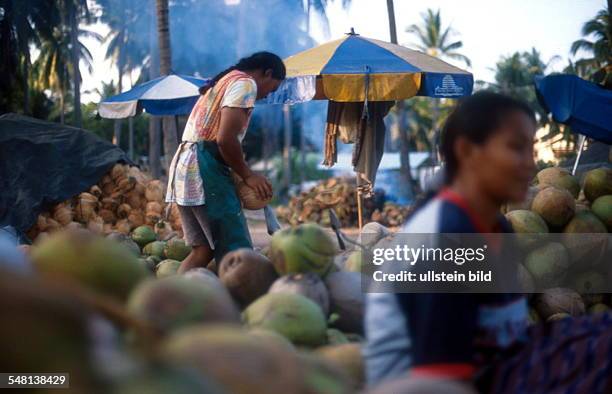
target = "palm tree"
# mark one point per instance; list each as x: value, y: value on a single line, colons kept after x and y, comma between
x: 54, y: 65
x: 600, y: 48
x: 435, y: 40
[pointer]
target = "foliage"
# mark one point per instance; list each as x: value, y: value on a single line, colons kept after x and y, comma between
x: 599, y: 65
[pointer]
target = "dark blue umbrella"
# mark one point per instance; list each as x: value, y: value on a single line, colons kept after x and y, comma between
x: 582, y: 105
x: 168, y: 95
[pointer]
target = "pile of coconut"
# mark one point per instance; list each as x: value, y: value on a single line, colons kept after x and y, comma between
x: 339, y: 194
x: 574, y: 268
x: 123, y: 200
x: 286, y: 319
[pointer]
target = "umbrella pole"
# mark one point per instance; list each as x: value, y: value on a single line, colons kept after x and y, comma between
x: 582, y: 139
x: 359, y: 205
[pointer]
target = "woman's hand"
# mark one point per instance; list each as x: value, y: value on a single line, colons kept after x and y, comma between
x: 261, y: 185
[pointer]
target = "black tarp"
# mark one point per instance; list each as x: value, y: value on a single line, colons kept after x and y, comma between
x: 43, y: 163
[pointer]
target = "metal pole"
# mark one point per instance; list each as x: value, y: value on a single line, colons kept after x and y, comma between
x: 131, y: 135
x: 287, y: 149
x: 582, y: 139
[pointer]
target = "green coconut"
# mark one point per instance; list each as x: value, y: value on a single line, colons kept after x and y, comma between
x: 559, y: 178
x: 143, y: 235
x: 246, y: 274
x: 598, y: 308
x: 305, y: 248
x: 555, y: 206
x: 292, y: 315
x: 309, y: 285
x: 148, y: 263
x: 206, y: 277
x: 597, y: 183
x: 348, y: 358
x: 548, y: 264
x: 590, y: 282
x: 101, y: 264
x: 176, y: 249
x: 602, y: 208
x: 371, y: 233
x: 167, y: 268
x: 240, y: 362
x: 525, y: 223
x: 585, y: 237
x: 355, y: 262
x: 125, y: 241
x: 175, y: 302
x: 155, y: 248
x: 558, y: 300
x: 271, y: 336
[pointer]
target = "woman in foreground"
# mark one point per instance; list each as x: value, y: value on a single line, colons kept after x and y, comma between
x: 483, y: 339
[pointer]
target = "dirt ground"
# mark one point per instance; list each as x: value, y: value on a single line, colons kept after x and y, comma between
x: 259, y: 233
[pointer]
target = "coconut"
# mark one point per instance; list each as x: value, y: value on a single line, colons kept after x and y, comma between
x: 348, y: 358
x: 246, y: 274
x: 176, y: 249
x: 174, y: 302
x: 242, y: 363
x: 555, y: 206
x: 602, y: 208
x: 163, y: 230
x: 597, y: 183
x: 371, y: 233
x: 155, y: 191
x: 107, y: 215
x: 589, y: 282
x: 305, y: 248
x: 123, y: 211
x: 96, y: 225
x: 123, y: 226
x: 336, y: 337
x: 272, y: 337
x: 524, y: 221
x: 149, y: 263
x: 559, y: 178
x: 206, y: 277
x: 143, y: 235
x: 548, y: 264
x: 167, y: 268
x: 423, y: 385
x: 322, y: 376
x: 558, y: 316
x: 247, y: 195
x: 598, y: 308
x: 136, y: 219
x: 292, y: 315
x: 308, y: 285
x: 155, y: 248
x: 585, y: 237
x: 62, y: 214
x: 347, y: 300
x: 558, y: 300
x: 125, y: 241
x: 98, y: 263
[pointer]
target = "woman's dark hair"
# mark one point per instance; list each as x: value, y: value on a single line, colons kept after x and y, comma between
x: 258, y: 61
x: 476, y: 118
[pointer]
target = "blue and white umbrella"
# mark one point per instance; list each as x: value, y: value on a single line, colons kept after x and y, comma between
x: 168, y: 95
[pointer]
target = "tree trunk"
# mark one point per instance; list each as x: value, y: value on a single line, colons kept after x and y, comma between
x: 403, y: 131
x: 131, y: 138
x: 117, y: 125
x: 62, y: 108
x: 26, y: 85
x: 154, y: 131
x: 287, y: 148
x: 165, y: 65
x: 74, y: 38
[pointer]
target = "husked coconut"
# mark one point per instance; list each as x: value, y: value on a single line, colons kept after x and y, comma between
x: 246, y: 274
x: 308, y: 285
x: 559, y: 178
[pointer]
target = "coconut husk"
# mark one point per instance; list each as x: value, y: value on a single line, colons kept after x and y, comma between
x: 107, y: 216
x: 118, y: 171
x: 154, y: 207
x: 96, y: 191
x: 163, y: 229
x: 123, y: 211
x: 96, y: 225
x: 136, y: 219
x: 154, y: 191
x: 123, y: 226
x: 134, y: 199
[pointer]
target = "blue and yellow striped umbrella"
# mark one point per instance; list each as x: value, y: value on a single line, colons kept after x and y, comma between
x: 350, y: 68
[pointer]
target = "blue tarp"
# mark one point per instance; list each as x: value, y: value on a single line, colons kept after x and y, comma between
x: 582, y: 105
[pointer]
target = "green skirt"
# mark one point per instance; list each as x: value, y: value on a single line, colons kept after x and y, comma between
x: 227, y: 221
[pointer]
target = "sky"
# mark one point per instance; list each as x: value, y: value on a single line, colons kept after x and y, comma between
x: 488, y: 29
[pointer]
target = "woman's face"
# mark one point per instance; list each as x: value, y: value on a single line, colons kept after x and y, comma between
x: 504, y: 164
x: 266, y: 84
